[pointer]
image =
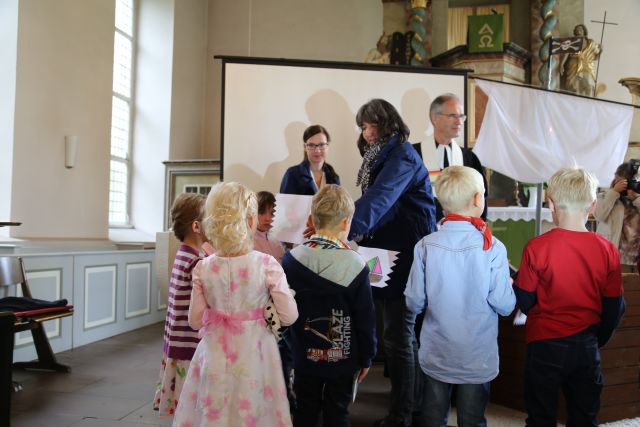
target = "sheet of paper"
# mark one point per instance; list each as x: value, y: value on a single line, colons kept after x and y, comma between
x: 380, y: 262
x: 290, y: 221
x: 355, y: 387
x: 433, y: 177
x: 519, y: 319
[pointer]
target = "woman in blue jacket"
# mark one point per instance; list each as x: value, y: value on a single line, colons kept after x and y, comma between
x: 395, y: 211
x: 307, y: 177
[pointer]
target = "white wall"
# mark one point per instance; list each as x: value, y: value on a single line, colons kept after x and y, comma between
x: 188, y: 79
x: 331, y: 30
x: 621, y: 50
x: 308, y: 29
x: 8, y: 53
x: 62, y: 80
x: 152, y: 120
x: 63, y: 87
x: 335, y: 30
x: 228, y: 33
x: 57, y: 66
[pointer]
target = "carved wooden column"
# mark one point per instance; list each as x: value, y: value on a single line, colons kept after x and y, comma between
x: 633, y: 84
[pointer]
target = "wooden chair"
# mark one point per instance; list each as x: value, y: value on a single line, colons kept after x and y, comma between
x: 12, y: 274
x: 6, y: 357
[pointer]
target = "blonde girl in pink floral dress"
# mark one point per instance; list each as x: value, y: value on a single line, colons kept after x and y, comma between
x: 235, y: 377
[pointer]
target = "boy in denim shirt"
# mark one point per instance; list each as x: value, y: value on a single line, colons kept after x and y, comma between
x: 460, y: 277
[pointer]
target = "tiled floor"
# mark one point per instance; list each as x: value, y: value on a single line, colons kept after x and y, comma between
x: 112, y: 384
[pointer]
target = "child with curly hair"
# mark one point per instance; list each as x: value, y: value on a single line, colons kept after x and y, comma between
x: 235, y: 378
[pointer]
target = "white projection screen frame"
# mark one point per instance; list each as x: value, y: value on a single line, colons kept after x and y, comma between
x: 268, y: 103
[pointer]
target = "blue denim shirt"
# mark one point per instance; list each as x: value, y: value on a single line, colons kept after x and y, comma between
x: 463, y: 289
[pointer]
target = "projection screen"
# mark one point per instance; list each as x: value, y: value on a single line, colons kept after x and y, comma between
x: 267, y: 104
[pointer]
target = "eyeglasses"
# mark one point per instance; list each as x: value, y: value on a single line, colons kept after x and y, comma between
x: 461, y: 117
x: 322, y: 146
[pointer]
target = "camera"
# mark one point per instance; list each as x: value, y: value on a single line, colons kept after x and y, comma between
x: 632, y: 176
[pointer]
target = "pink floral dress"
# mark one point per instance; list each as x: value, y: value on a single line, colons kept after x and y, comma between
x: 235, y: 377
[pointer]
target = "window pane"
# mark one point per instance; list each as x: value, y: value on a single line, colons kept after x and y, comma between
x: 118, y: 193
x: 122, y: 65
x: 120, y: 119
x: 124, y: 16
x: 122, y: 101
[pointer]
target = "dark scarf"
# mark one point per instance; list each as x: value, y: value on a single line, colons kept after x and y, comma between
x: 369, y: 157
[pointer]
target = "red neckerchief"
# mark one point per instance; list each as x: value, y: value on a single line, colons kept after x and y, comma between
x: 477, y: 223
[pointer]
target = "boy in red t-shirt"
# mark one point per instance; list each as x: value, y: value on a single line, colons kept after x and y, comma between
x: 570, y: 287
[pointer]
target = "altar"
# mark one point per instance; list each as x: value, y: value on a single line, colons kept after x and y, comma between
x: 515, y: 226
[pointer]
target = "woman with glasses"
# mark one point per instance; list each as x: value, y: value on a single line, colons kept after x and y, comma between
x: 306, y: 179
x: 309, y: 176
x: 395, y: 211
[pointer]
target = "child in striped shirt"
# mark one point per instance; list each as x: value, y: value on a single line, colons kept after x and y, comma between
x: 180, y: 341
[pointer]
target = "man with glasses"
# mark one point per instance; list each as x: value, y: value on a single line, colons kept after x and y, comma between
x: 447, y: 116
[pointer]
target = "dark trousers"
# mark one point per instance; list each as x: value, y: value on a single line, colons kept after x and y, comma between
x: 6, y: 365
x: 286, y: 356
x: 401, y: 359
x: 318, y: 395
x: 570, y: 364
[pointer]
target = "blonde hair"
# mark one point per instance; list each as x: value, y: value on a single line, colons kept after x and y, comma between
x: 572, y: 189
x: 228, y: 209
x: 456, y: 186
x: 331, y: 205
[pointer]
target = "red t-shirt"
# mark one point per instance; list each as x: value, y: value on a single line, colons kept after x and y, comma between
x: 570, y: 272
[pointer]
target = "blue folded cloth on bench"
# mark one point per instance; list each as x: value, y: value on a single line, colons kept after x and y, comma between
x: 19, y: 304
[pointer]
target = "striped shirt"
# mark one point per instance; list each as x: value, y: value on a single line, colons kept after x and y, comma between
x: 325, y: 242
x: 180, y: 341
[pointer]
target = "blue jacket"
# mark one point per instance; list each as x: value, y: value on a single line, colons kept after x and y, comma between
x: 335, y: 331
x: 298, y: 180
x: 396, y: 211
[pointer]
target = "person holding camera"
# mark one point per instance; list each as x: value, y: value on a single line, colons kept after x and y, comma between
x: 618, y: 214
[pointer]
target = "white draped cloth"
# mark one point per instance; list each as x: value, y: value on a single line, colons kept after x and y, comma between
x: 528, y: 134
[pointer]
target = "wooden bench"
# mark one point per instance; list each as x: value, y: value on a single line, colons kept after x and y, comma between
x: 12, y: 273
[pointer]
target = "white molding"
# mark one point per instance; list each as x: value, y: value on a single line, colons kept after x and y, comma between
x: 162, y: 301
x: 27, y: 338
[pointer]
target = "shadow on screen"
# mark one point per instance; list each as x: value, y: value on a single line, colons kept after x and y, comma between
x: 330, y: 109
x: 414, y: 110
x: 275, y: 171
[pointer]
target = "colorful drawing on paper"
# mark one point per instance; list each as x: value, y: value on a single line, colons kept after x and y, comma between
x: 375, y: 269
